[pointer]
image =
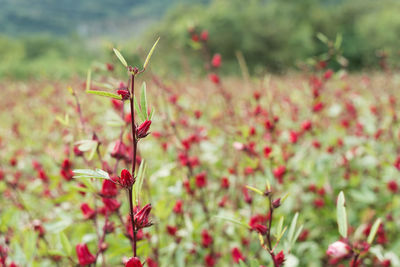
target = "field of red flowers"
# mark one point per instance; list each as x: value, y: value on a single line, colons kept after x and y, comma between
x: 294, y: 170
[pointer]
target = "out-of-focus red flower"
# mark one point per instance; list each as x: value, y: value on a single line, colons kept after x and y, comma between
x: 262, y: 229
x: 178, y: 207
x: 214, y: 78
x: 328, y: 74
x: 109, y: 189
x: 224, y: 182
x: 306, y: 125
x: 119, y: 150
x: 318, y: 107
x: 87, y: 211
x: 151, y: 263
x: 84, y: 256
x: 279, y: 172
x: 279, y: 258
x: 393, y: 186
x: 133, y: 262
x: 204, y: 35
x: 247, y: 197
x: 397, y: 162
x: 206, y: 238
x: 201, y: 180
x: 210, y: 260
x: 237, y: 255
x: 171, y: 230
x: 111, y: 204
x: 216, y: 61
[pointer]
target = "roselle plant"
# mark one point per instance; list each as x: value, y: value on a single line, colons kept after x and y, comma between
x: 355, y: 250
x: 130, y: 181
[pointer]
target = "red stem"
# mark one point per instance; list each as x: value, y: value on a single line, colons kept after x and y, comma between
x: 133, y: 162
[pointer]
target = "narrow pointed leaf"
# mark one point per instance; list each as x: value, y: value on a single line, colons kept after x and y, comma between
x: 146, y: 62
x: 139, y: 111
x: 87, y: 173
x: 341, y: 215
x: 104, y: 93
x: 373, y: 231
x: 88, y: 80
x: 254, y: 189
x: 65, y: 243
x: 143, y: 100
x: 292, y: 228
x: 120, y: 57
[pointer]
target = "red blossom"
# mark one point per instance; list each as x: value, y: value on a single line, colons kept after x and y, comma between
x: 237, y: 255
x: 84, y: 256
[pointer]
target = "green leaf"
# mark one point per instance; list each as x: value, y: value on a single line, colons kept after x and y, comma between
x: 139, y: 181
x: 104, y: 93
x: 322, y: 38
x: 86, y: 145
x: 254, y: 189
x: 373, y: 231
x: 338, y: 41
x: 281, y: 234
x: 54, y: 252
x: 341, y: 215
x: 254, y: 263
x: 143, y: 101
x: 292, y: 229
x: 151, y: 114
x: 88, y: 79
x: 120, y: 57
x: 141, y: 115
x: 280, y: 226
x: 233, y: 221
x: 65, y: 120
x: 146, y: 62
x: 242, y: 263
x: 65, y: 243
x: 87, y: 173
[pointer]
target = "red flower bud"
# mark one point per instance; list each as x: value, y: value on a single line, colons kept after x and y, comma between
x: 206, y: 239
x: 237, y: 255
x: 201, y: 180
x: 214, y: 78
x: 133, y: 262
x: 279, y: 172
x: 279, y: 258
x: 88, y: 212
x: 276, y: 203
x: 204, y: 35
x: 262, y: 229
x: 125, y: 94
x: 111, y: 204
x: 178, y: 207
x: 109, y: 189
x: 126, y: 180
x: 84, y: 255
x: 216, y: 61
x: 142, y: 130
x: 142, y: 217
x: 119, y: 150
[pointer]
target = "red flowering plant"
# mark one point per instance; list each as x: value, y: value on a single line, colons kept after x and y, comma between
x: 130, y: 181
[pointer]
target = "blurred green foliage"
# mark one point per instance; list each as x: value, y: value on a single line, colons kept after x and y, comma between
x: 274, y: 35
x: 279, y: 34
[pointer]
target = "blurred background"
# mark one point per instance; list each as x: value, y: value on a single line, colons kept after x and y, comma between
x: 63, y: 38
